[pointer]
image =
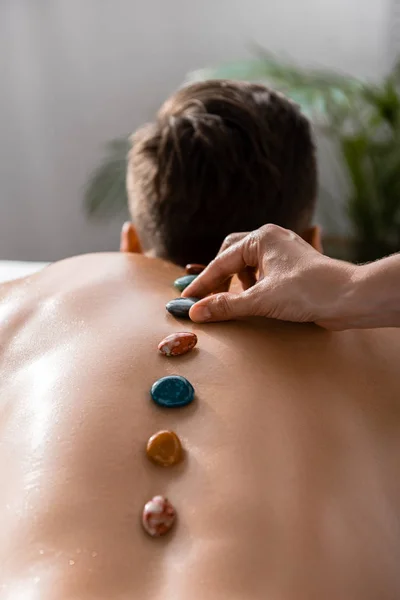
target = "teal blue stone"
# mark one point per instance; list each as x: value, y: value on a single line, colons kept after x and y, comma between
x: 182, y: 282
x: 180, y: 307
x: 172, y: 391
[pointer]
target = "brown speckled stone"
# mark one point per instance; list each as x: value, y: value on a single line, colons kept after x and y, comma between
x: 177, y: 344
x: 194, y: 269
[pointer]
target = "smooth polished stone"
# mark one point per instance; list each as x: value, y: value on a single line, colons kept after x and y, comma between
x: 172, y: 391
x: 158, y: 516
x: 182, y: 282
x: 177, y: 344
x: 194, y: 269
x: 164, y: 448
x: 180, y: 307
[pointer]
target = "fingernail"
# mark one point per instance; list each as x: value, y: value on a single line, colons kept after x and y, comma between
x: 201, y: 313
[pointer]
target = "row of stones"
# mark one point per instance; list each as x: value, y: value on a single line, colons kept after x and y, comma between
x: 164, y: 448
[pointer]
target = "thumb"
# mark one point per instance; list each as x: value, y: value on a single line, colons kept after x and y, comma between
x: 223, y: 307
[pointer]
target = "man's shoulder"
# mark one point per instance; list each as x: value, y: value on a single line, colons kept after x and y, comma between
x: 105, y: 267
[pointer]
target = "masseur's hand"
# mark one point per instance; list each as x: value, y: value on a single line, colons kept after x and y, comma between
x: 283, y: 277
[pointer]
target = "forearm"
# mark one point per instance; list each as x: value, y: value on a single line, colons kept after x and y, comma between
x: 371, y: 299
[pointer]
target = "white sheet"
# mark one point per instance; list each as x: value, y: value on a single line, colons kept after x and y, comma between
x: 13, y: 269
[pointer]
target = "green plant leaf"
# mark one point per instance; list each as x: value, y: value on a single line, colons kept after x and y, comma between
x: 105, y: 193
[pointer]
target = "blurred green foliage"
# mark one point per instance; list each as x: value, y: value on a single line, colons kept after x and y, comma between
x: 105, y: 194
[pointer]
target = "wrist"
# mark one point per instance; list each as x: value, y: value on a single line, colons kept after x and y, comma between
x: 377, y: 294
x: 343, y: 309
x: 359, y: 310
x: 368, y: 298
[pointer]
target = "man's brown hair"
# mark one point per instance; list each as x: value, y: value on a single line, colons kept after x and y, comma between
x: 222, y: 156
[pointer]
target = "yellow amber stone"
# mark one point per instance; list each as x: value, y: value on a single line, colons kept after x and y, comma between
x: 164, y: 448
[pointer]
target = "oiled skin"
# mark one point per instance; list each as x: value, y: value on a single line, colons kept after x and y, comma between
x: 290, y: 485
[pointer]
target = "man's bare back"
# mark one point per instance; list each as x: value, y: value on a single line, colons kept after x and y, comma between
x: 289, y: 487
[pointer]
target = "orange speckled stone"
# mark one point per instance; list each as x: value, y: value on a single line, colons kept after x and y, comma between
x: 164, y: 448
x: 194, y: 269
x: 177, y: 344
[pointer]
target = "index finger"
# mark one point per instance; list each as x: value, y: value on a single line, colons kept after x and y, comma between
x: 225, y: 265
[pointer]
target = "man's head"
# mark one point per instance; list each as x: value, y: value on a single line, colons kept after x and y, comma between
x: 222, y: 156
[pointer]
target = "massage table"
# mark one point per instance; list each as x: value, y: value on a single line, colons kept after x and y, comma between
x: 13, y: 269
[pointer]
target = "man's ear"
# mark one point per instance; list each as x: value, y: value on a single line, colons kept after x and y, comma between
x: 312, y: 236
x: 129, y: 239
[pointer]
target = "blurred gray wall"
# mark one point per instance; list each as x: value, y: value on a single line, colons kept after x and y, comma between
x: 75, y: 73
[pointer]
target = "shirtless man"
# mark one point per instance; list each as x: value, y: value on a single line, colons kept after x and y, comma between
x: 289, y: 486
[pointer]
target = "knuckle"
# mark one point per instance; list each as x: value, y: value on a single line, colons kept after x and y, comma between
x: 251, y: 248
x: 221, y: 304
x: 270, y: 230
x: 253, y: 238
x: 232, y: 239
